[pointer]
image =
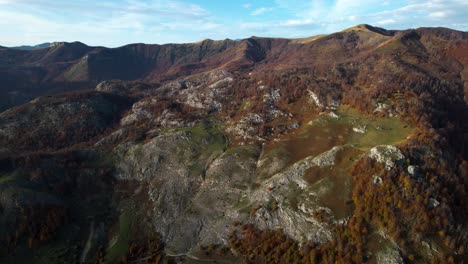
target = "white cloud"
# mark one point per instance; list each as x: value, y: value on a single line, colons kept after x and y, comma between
x: 419, y: 13
x: 247, y: 5
x: 438, y: 14
x: 297, y: 22
x: 107, y: 23
x: 385, y: 22
x: 261, y: 10
x: 400, y: 14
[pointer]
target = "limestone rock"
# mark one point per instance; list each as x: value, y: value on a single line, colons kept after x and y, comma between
x: 415, y: 172
x: 388, y: 155
x: 377, y: 180
x: 314, y: 99
x: 360, y: 129
x: 433, y: 203
x: 389, y: 256
x: 111, y: 86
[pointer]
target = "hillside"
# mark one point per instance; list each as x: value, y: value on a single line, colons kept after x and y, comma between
x: 342, y: 148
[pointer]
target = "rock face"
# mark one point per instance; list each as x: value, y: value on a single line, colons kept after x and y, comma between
x: 192, y: 186
x: 113, y: 86
x: 206, y: 91
x: 247, y: 127
x: 171, y: 187
x: 314, y: 99
x: 389, y: 256
x: 296, y: 222
x: 415, y: 173
x: 390, y: 156
x: 139, y: 114
x: 195, y: 203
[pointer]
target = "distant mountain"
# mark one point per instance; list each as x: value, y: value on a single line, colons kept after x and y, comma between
x: 39, y: 46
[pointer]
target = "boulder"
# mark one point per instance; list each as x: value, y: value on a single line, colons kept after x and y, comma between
x: 433, y: 203
x: 377, y: 180
x: 360, y: 129
x: 111, y: 86
x: 414, y: 172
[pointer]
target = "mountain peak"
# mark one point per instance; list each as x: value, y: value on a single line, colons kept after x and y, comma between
x: 369, y: 28
x: 70, y: 44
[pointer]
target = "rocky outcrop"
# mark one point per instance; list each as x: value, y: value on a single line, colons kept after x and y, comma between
x: 171, y: 187
x: 389, y: 155
x: 180, y: 172
x: 112, y: 86
x: 433, y: 203
x: 377, y: 180
x: 299, y: 224
x: 360, y: 129
x: 314, y: 99
x: 138, y: 112
x: 209, y: 93
x: 415, y: 173
x: 389, y: 256
x: 247, y: 127
x: 195, y: 203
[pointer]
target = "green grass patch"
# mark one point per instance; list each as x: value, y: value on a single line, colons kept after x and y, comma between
x: 293, y: 195
x: 243, y: 205
x: 379, y: 131
x: 77, y: 72
x: 206, y: 142
x: 208, y: 133
x: 243, y: 151
x: 120, y: 248
x: 325, y: 132
x: 19, y: 179
x: 279, y: 152
x: 322, y: 134
x: 7, y: 178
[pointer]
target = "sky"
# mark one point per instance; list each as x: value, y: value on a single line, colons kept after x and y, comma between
x: 114, y: 23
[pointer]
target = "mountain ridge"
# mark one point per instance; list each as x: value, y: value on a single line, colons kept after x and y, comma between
x: 76, y: 62
x: 33, y: 47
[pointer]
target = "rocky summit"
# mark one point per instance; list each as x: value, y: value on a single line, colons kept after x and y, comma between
x: 342, y: 148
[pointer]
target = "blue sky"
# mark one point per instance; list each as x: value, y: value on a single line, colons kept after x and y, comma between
x: 118, y: 22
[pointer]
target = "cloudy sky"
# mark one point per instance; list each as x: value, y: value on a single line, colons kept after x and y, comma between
x: 114, y: 23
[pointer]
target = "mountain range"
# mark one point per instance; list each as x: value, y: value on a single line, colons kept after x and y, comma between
x: 342, y: 148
